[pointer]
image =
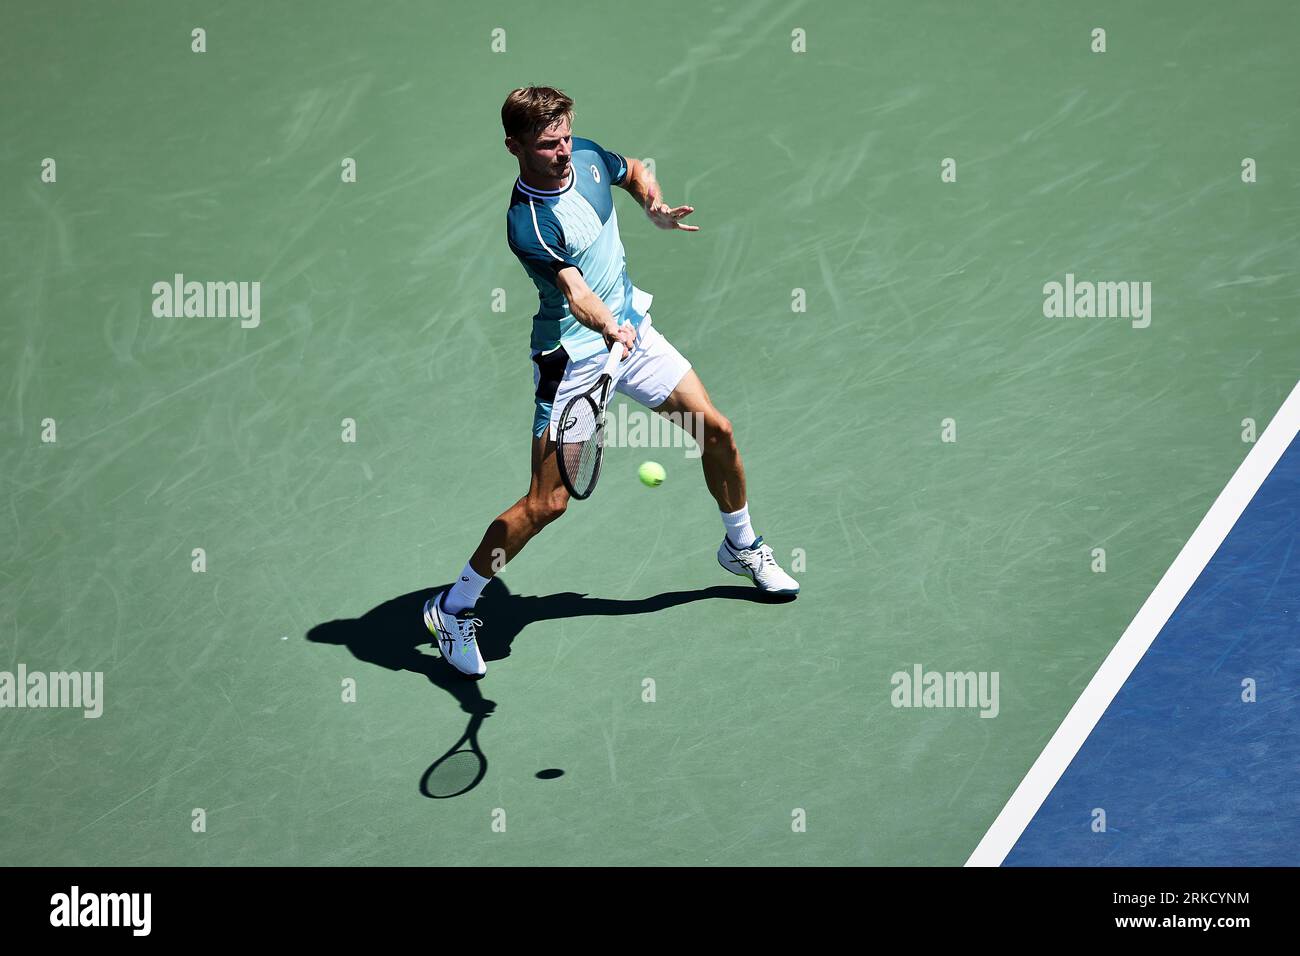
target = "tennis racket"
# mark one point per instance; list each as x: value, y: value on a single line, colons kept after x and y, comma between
x: 580, y: 438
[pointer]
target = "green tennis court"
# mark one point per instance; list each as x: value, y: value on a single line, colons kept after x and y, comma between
x: 937, y: 458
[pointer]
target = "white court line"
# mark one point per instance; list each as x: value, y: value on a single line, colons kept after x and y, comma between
x: 1137, y: 637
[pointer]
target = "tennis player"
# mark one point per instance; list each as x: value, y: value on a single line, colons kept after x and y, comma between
x: 562, y: 225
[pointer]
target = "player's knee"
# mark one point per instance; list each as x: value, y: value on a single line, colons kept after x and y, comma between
x: 720, y: 439
x: 543, y: 509
x: 559, y: 500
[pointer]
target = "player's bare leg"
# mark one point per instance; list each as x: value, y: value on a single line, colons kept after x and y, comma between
x: 546, y: 500
x: 449, y: 614
x: 724, y: 472
x: 741, y: 552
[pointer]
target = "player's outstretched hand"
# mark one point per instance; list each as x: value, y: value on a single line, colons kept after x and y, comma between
x: 668, y: 217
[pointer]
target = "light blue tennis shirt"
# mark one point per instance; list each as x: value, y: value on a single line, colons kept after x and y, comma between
x: 575, y: 226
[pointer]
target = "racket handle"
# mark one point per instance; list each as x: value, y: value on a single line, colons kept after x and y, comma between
x: 615, y: 356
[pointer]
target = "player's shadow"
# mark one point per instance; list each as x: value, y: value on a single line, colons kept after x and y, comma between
x: 393, y: 634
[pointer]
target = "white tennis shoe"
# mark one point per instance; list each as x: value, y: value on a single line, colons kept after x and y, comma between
x: 757, y: 563
x: 456, y: 635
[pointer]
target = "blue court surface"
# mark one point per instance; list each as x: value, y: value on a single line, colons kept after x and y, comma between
x: 1186, y: 769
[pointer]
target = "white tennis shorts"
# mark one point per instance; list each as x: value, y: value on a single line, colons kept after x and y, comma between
x: 648, y: 376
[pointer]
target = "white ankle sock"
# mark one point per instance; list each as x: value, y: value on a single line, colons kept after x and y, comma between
x: 465, y: 592
x: 739, y: 532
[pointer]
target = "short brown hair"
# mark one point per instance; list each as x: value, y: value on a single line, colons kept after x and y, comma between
x: 531, y: 109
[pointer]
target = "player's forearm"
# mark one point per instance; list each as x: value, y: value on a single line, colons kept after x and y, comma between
x: 641, y: 183
x: 589, y: 309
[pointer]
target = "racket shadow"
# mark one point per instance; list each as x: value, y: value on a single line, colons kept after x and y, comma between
x: 392, y: 635
x: 460, y: 769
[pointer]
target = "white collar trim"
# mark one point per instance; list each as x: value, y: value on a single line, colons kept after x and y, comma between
x: 534, y: 191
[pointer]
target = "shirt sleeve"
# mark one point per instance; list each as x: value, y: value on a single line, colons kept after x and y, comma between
x: 615, y: 164
x: 537, y: 238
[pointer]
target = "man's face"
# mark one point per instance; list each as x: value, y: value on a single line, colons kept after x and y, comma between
x: 548, y: 154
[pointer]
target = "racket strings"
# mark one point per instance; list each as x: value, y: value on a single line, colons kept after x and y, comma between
x: 580, y: 445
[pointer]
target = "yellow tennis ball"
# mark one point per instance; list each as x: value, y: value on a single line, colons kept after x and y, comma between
x: 652, y: 474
